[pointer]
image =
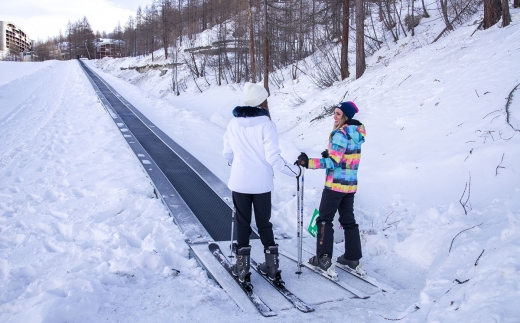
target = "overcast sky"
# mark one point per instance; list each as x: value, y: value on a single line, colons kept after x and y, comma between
x: 41, y: 19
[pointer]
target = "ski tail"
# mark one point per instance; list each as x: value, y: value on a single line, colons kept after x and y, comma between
x: 280, y: 287
x: 246, y: 286
x: 357, y: 293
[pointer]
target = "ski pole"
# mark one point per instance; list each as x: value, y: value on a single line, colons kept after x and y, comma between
x: 301, y: 217
x: 298, y: 271
x: 232, y: 232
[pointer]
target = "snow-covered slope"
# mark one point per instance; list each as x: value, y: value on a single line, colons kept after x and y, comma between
x: 82, y: 235
x: 82, y: 238
x: 437, y: 139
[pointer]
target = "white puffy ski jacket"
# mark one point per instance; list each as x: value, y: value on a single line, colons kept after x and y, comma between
x: 251, y: 148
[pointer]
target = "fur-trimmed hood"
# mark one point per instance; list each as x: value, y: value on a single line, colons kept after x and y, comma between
x: 249, y: 112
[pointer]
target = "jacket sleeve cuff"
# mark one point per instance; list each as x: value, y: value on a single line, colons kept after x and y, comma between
x: 314, y: 163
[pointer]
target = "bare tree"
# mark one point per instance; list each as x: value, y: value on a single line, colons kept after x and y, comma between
x: 444, y: 11
x: 425, y: 12
x: 413, y: 18
x: 385, y: 13
x: 506, y: 16
x: 360, y: 38
x: 266, y: 53
x: 166, y: 25
x: 492, y: 12
x: 344, y: 39
x: 252, y: 44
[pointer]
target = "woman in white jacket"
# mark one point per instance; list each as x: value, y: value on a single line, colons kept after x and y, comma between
x: 251, y: 148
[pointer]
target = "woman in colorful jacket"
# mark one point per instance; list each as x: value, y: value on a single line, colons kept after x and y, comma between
x: 251, y: 148
x: 341, y: 162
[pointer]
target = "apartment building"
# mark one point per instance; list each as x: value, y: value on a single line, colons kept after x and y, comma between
x: 13, y: 40
x: 107, y: 47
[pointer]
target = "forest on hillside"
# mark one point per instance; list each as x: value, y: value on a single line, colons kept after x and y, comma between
x: 251, y: 39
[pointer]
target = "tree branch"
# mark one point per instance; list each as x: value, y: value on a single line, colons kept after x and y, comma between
x: 451, y: 245
x: 463, y: 193
x: 476, y: 262
x: 496, y: 171
x: 508, y: 104
x: 454, y: 19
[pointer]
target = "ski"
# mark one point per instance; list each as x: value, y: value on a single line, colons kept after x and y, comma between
x: 246, y: 286
x: 368, y: 279
x: 336, y: 281
x: 298, y: 303
x: 372, y: 281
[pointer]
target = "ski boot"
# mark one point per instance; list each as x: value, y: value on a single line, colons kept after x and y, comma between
x: 270, y: 267
x: 324, y: 264
x: 241, y: 268
x: 353, y: 265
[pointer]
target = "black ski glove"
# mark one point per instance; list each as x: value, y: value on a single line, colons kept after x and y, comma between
x: 325, y: 153
x: 303, y: 160
x: 299, y: 169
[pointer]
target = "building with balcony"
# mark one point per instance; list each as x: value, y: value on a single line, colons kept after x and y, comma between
x: 108, y: 47
x: 13, y: 40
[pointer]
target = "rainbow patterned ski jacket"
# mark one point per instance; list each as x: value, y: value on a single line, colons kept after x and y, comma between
x: 344, y: 155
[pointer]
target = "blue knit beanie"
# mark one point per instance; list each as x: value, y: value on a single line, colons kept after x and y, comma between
x: 348, y: 108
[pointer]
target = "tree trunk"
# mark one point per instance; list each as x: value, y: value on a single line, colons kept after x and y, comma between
x: 252, y: 45
x: 179, y: 22
x: 344, y: 39
x: 425, y: 13
x: 301, y: 35
x: 516, y: 4
x: 360, y: 39
x: 413, y: 18
x: 388, y: 21
x: 165, y: 26
x: 399, y: 18
x: 266, y: 55
x: 314, y: 24
x: 506, y: 17
x: 444, y: 9
x: 492, y: 12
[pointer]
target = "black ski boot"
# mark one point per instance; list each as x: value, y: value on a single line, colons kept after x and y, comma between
x: 271, y: 264
x: 241, y: 268
x: 354, y: 265
x: 324, y: 263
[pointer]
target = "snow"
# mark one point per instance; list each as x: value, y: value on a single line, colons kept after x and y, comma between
x: 83, y: 237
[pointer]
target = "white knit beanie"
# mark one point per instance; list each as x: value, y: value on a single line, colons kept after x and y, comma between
x: 254, y: 94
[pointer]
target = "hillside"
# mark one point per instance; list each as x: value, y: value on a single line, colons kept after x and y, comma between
x: 437, y: 139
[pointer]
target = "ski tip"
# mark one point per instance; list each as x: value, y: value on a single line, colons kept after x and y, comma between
x: 268, y: 314
x: 362, y: 296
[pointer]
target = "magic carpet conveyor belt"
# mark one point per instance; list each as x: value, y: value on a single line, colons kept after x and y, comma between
x: 202, y: 194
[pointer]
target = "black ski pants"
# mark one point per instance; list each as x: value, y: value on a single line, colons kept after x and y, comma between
x: 332, y: 201
x: 244, y: 203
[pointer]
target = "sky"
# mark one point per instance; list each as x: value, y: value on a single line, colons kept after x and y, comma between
x: 42, y: 19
